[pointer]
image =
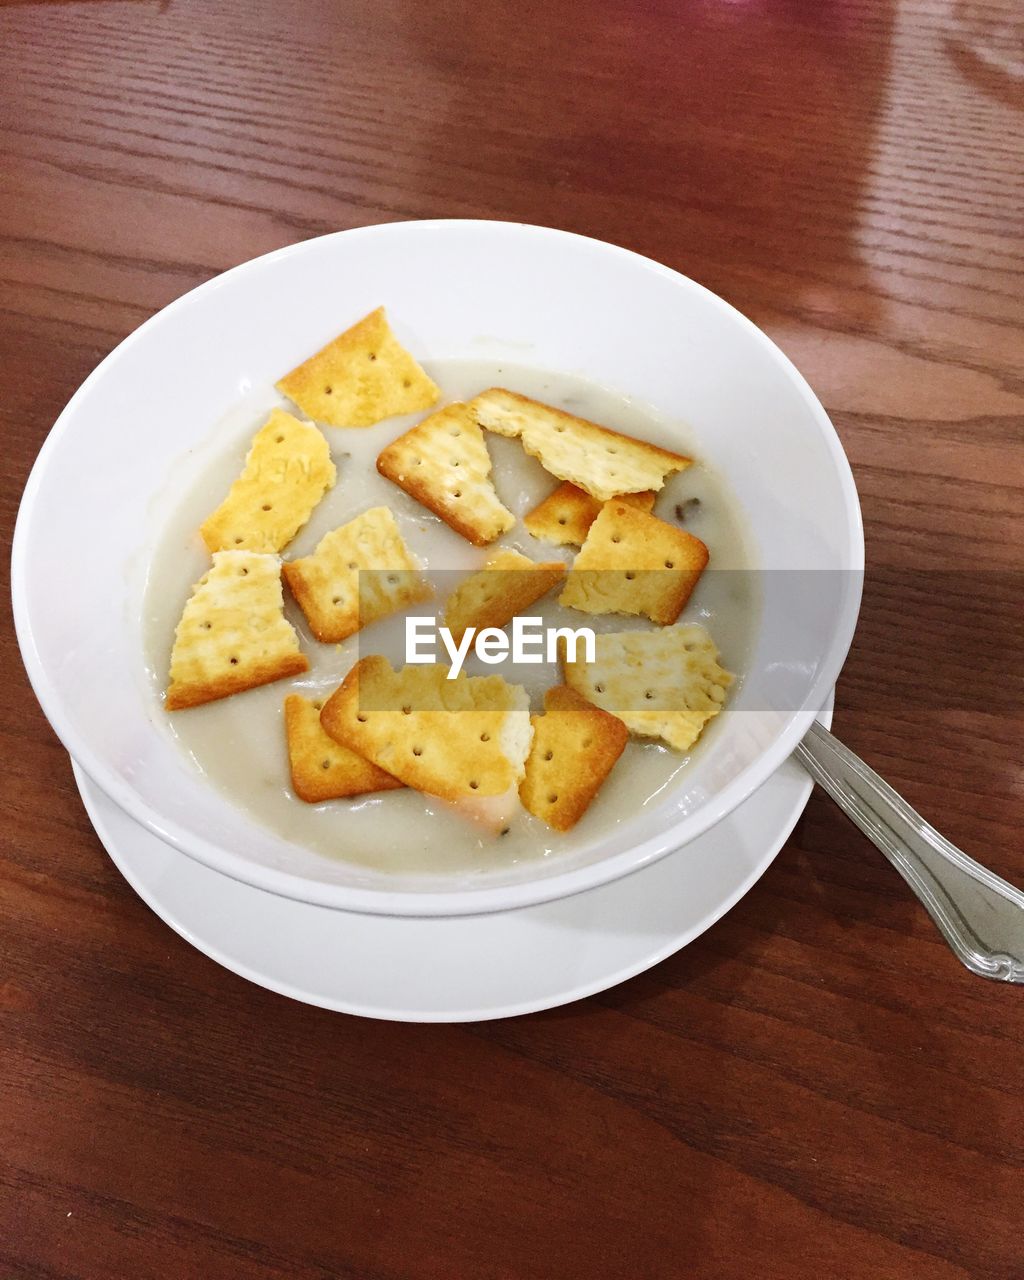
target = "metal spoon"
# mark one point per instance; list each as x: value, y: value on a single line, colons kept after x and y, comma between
x: 979, y: 914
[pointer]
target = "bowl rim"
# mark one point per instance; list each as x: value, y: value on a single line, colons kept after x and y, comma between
x: 446, y: 902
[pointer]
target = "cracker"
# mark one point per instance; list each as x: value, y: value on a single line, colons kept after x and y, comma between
x: 233, y: 634
x: 457, y: 739
x: 508, y: 584
x: 358, y: 573
x: 288, y: 469
x: 575, y: 746
x: 632, y: 562
x: 364, y: 375
x: 663, y: 684
x: 443, y: 462
x: 603, y: 462
x: 566, y: 515
x: 321, y: 768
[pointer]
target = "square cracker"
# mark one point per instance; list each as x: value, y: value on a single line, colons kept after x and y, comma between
x: 504, y: 587
x: 364, y: 375
x: 603, y: 462
x: 663, y: 684
x: 575, y: 747
x: 456, y: 739
x: 632, y: 562
x: 288, y: 469
x: 358, y: 573
x: 321, y: 768
x: 233, y: 634
x: 443, y: 462
x: 566, y: 514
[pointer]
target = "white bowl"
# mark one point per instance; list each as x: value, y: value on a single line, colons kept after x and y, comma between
x: 454, y: 289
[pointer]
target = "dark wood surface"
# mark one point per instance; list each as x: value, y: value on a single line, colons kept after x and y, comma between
x: 813, y: 1089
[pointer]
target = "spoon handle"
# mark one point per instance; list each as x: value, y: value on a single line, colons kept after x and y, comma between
x: 978, y: 913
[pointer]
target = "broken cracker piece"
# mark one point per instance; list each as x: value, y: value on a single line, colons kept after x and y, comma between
x: 361, y: 377
x: 443, y: 462
x: 287, y: 470
x: 566, y: 515
x: 321, y: 768
x: 604, y: 463
x: 460, y: 739
x: 632, y: 562
x: 575, y: 747
x: 233, y: 634
x: 358, y: 573
x: 504, y: 587
x: 663, y: 684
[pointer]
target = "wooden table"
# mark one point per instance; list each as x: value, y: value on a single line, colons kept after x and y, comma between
x: 813, y: 1089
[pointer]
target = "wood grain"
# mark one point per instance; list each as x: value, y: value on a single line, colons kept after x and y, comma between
x: 814, y: 1088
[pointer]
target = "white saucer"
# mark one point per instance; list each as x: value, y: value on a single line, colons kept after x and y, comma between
x: 467, y: 968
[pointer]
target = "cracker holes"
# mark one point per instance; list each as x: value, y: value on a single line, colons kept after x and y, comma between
x: 670, y: 564
x: 553, y: 798
x: 648, y: 694
x: 325, y: 764
x: 206, y: 625
x: 599, y: 688
x: 267, y: 507
x: 473, y: 784
x: 587, y: 742
x: 407, y: 710
x: 616, y: 537
x: 243, y: 573
x: 372, y: 356
x: 361, y: 717
x: 279, y: 439
x: 563, y: 520
x: 455, y: 431
x: 456, y: 493
x: 549, y: 755
x: 392, y: 579
x: 417, y: 462
x: 407, y: 383
x: 417, y: 751
x: 328, y: 391
x: 233, y: 661
x: 630, y: 575
x: 238, y: 542
x: 485, y: 737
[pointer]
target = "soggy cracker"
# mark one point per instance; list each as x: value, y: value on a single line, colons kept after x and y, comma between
x: 504, y: 587
x: 603, y: 462
x: 663, y: 684
x: 575, y: 747
x: 336, y: 597
x: 288, y: 469
x: 443, y: 462
x: 364, y: 375
x: 457, y: 739
x: 233, y: 634
x: 321, y: 768
x: 632, y: 562
x: 566, y: 515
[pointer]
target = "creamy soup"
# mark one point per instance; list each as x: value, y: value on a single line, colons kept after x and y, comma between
x: 238, y: 743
